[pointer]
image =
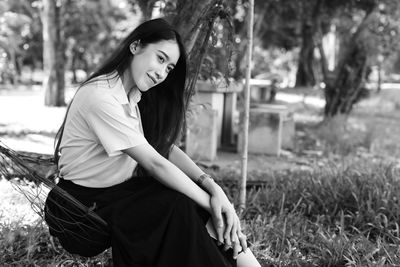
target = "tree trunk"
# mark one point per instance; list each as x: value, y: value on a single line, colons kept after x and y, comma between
x: 379, y: 78
x: 198, y: 52
x: 73, y: 70
x: 53, y: 55
x: 305, y: 75
x: 305, y: 72
x: 347, y: 87
x: 195, y: 21
x: 188, y: 14
x: 14, y: 74
x: 146, y: 7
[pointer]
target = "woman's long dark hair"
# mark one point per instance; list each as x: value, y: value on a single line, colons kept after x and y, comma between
x: 163, y: 107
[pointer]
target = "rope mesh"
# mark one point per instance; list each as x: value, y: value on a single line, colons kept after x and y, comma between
x: 40, y: 172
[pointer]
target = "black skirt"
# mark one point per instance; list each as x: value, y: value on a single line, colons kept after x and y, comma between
x: 148, y: 224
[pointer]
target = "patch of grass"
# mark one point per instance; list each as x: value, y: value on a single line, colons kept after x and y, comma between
x: 329, y: 217
x: 31, y: 245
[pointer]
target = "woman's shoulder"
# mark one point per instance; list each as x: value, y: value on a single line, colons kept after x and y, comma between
x: 94, y: 90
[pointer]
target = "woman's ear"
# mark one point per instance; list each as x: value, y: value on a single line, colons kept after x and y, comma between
x: 133, y: 46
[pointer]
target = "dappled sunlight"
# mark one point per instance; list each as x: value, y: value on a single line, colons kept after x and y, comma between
x: 313, y: 101
x: 14, y: 207
x: 22, y: 112
x: 26, y: 124
x: 30, y: 143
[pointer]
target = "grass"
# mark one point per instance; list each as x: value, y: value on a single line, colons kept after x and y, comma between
x: 329, y: 217
x: 27, y: 245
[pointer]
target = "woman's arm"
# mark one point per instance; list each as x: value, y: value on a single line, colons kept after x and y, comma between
x: 168, y: 174
x: 186, y: 164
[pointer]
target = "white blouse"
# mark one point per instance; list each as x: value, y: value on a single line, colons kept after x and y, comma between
x: 101, y: 122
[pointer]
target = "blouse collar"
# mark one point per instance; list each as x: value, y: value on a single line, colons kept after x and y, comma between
x: 118, y: 90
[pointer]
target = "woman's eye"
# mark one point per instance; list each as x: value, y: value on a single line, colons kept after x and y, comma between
x: 161, y: 59
x: 169, y: 69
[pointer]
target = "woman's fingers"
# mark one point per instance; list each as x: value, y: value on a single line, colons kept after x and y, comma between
x: 229, y: 227
x: 234, y: 231
x: 242, y: 241
x: 236, y: 248
x: 218, y: 221
x: 226, y: 247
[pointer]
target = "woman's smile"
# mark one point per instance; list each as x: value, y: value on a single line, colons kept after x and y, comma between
x: 152, y: 79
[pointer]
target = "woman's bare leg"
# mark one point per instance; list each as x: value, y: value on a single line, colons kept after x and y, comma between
x: 247, y: 259
x: 244, y: 259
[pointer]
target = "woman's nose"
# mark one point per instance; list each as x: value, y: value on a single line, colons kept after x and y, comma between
x: 161, y: 74
x: 158, y: 76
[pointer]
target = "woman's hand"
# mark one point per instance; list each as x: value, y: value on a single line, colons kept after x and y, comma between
x: 226, y: 222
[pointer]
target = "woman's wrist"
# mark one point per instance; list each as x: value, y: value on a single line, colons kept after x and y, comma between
x: 206, y: 182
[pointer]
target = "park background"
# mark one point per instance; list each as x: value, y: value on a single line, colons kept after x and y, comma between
x: 331, y: 199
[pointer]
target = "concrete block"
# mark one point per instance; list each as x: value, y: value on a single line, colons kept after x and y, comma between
x: 202, y: 134
x: 212, y: 101
x: 271, y: 128
x: 220, y: 97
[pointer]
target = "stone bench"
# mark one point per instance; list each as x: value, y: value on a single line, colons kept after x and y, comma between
x: 271, y: 128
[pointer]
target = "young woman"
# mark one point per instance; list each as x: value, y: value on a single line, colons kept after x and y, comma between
x: 116, y: 155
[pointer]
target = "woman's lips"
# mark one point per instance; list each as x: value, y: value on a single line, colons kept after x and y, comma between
x: 152, y: 79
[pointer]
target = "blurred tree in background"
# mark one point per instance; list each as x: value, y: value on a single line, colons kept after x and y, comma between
x: 53, y: 53
x: 361, y: 26
x: 18, y: 28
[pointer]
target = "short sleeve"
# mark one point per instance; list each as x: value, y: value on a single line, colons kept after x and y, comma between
x: 115, y: 129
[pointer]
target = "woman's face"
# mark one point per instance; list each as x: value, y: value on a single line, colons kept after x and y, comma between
x: 151, y: 64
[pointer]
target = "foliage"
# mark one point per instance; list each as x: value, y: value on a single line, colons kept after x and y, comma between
x: 207, y: 30
x: 92, y: 29
x: 18, y: 39
x: 275, y: 62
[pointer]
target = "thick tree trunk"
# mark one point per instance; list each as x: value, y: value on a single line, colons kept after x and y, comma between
x: 348, y: 87
x: 53, y: 55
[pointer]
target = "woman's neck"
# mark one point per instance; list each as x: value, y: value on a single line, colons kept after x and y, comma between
x: 127, y: 81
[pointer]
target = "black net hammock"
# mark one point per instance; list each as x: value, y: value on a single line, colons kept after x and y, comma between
x: 19, y: 168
